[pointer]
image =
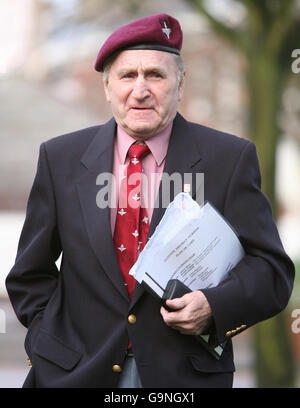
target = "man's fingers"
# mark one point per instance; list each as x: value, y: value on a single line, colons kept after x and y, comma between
x: 178, y: 317
x: 189, y: 314
x: 178, y: 303
x: 176, y: 322
x: 169, y: 317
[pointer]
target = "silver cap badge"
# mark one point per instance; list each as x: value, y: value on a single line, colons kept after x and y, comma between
x: 166, y: 30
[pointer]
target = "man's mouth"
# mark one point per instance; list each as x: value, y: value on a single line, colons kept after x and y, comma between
x: 141, y: 108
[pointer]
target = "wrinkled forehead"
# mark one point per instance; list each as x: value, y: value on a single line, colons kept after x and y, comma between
x: 144, y: 60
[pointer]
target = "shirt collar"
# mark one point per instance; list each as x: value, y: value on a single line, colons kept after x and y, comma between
x: 158, y: 144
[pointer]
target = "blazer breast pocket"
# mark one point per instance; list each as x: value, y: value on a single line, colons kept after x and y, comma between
x: 54, y: 350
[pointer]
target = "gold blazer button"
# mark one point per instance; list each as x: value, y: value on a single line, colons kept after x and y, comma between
x: 116, y: 368
x: 132, y: 319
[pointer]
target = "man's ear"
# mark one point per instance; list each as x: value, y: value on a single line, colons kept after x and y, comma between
x: 106, y: 90
x: 181, y: 86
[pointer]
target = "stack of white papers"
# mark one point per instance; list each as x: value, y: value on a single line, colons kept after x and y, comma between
x: 191, y: 243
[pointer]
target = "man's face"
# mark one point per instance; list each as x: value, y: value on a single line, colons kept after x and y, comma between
x: 143, y: 89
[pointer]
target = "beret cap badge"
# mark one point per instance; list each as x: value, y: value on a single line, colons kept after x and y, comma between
x: 166, y: 30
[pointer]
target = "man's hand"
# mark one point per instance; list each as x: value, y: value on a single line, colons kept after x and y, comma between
x: 192, y: 313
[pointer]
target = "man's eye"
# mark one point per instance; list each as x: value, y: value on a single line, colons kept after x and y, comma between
x: 155, y: 75
x: 129, y: 75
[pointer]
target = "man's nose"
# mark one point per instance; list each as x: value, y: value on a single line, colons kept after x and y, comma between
x: 140, y: 89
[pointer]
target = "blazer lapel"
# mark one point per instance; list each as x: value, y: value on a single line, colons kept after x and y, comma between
x: 98, y: 159
x: 183, y: 157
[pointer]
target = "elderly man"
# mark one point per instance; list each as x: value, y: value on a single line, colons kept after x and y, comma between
x: 89, y: 323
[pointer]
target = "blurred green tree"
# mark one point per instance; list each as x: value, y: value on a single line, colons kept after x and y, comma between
x: 266, y: 36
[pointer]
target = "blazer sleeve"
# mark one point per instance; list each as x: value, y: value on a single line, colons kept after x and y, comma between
x: 260, y: 285
x: 33, y: 278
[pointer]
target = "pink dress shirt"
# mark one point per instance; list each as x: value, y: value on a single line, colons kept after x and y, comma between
x: 153, y: 165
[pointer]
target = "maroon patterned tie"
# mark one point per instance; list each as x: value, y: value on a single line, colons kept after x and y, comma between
x: 132, y: 223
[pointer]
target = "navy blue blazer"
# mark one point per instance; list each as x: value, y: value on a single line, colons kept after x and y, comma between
x: 77, y: 317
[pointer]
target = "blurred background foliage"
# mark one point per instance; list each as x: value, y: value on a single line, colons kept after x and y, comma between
x: 239, y: 60
x: 266, y: 37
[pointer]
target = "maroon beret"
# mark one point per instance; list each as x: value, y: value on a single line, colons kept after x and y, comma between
x: 158, y: 32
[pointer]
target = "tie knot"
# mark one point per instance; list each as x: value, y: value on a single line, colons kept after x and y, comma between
x: 138, y: 151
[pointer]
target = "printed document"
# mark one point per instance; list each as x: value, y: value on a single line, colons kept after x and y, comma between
x: 191, y: 243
